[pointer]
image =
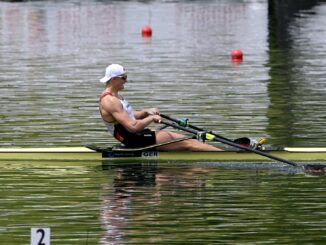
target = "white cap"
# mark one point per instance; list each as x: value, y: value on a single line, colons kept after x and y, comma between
x: 113, y: 70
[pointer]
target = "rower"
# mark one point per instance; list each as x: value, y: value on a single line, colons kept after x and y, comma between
x: 131, y: 127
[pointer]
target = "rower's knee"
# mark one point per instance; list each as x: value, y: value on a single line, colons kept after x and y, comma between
x: 193, y: 144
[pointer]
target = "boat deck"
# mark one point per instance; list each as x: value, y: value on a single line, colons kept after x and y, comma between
x: 86, y: 154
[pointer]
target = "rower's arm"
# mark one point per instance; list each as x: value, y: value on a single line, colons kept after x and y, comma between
x: 146, y: 112
x: 114, y: 107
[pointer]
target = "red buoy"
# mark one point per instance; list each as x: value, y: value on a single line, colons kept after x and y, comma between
x: 236, y: 55
x: 146, y: 31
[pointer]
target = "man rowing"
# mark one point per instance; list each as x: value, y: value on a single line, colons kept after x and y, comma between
x: 129, y: 126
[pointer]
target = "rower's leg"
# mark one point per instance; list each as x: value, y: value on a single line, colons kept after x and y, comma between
x: 186, y: 145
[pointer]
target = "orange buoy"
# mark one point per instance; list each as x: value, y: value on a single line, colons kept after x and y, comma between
x: 236, y: 55
x: 146, y: 31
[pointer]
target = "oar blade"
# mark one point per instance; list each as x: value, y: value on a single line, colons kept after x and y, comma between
x: 315, y: 168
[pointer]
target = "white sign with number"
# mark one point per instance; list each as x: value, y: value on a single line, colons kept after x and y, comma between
x: 40, y: 236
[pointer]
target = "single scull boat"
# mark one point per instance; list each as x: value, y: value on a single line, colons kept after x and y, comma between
x: 123, y: 154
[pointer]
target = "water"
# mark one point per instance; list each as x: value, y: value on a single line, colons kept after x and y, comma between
x: 52, y: 54
x: 87, y: 203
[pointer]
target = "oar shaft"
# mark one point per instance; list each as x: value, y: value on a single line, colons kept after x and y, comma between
x: 178, y: 122
x: 230, y: 143
x: 177, y: 126
x: 190, y: 126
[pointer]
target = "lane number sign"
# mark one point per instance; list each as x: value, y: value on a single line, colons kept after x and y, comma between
x: 40, y: 236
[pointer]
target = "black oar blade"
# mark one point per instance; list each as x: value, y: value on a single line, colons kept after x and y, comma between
x: 315, y: 168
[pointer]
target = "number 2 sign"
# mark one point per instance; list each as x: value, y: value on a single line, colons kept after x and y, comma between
x: 40, y: 236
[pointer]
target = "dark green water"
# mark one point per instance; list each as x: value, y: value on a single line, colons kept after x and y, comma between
x: 52, y: 54
x: 162, y: 203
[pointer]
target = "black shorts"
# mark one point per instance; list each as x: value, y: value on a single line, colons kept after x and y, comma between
x: 133, y: 140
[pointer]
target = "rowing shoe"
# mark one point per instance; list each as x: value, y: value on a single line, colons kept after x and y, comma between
x: 209, y: 135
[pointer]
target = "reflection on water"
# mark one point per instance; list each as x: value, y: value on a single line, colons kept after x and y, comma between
x: 59, y: 51
x: 59, y: 195
x: 296, y: 87
x: 158, y: 205
x: 86, y: 203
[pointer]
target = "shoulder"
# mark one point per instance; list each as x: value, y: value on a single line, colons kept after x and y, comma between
x: 108, y: 97
x: 110, y: 103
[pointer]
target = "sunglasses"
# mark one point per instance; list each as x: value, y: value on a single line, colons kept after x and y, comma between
x: 124, y: 77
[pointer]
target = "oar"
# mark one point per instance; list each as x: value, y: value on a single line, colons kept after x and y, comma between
x: 185, y: 123
x: 215, y: 137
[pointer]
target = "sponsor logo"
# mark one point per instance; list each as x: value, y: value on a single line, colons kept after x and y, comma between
x: 150, y: 154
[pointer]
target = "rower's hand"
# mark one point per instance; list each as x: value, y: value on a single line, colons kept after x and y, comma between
x: 152, y: 111
x: 156, y: 118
